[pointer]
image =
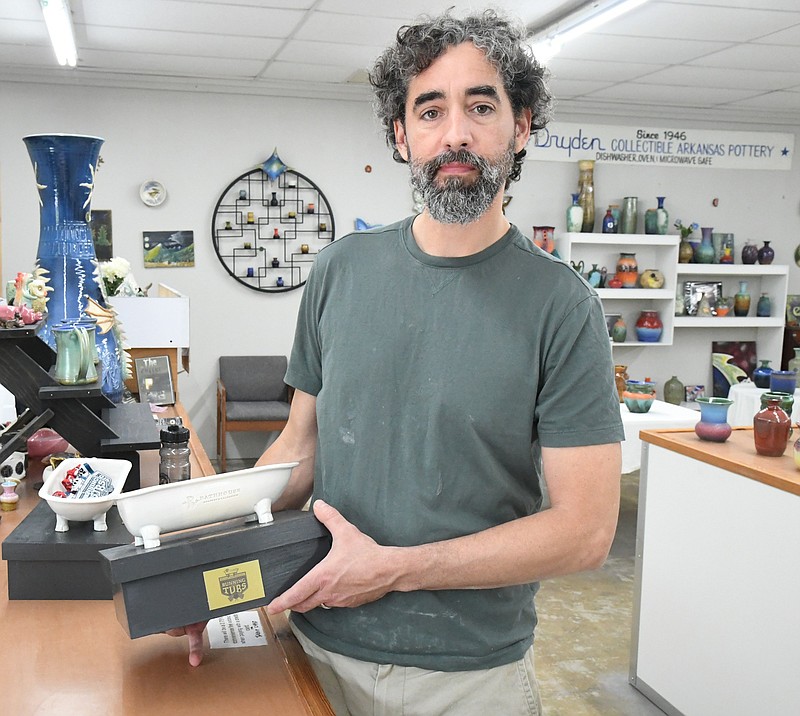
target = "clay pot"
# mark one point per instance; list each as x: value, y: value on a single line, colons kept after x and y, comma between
x: 771, y: 429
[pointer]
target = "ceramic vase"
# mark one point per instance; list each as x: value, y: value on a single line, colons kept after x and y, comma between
x: 662, y: 217
x: 794, y: 363
x: 713, y: 424
x: 741, y: 301
x: 575, y: 215
x: 674, y: 391
x: 609, y: 223
x: 649, y: 327
x: 630, y: 214
x: 627, y: 270
x: 619, y: 331
x: 650, y: 222
x: 685, y: 252
x: 594, y: 276
x: 786, y: 400
x: 761, y: 374
x: 638, y: 395
x: 652, y: 278
x: 783, y: 381
x: 704, y: 253
x: 9, y: 498
x: 771, y: 429
x: 620, y: 378
x: 586, y: 193
x: 65, y: 167
x: 764, y: 306
x: 726, y: 248
x: 749, y: 253
x: 766, y: 254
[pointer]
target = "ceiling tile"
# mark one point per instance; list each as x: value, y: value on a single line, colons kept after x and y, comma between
x: 348, y: 29
x: 694, y: 76
x: 30, y: 55
x: 789, y: 36
x: 329, y: 53
x: 408, y: 10
x: 752, y: 57
x: 773, y: 100
x: 298, y: 71
x: 566, y: 89
x: 20, y: 32
x: 602, y: 48
x: 184, y: 66
x: 677, y: 96
x: 564, y: 67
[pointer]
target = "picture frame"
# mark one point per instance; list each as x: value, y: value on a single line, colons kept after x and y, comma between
x: 693, y: 292
x: 693, y: 392
x: 154, y: 378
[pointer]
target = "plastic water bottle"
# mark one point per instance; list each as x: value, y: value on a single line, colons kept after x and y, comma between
x: 174, y: 454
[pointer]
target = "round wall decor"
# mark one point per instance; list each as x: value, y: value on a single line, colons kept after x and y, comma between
x: 266, y: 232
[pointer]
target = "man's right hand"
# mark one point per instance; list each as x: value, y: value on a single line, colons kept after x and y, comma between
x: 195, y: 634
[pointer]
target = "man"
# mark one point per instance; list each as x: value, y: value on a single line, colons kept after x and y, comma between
x: 428, y: 354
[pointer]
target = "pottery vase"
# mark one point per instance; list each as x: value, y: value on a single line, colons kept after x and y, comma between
x: 609, y: 224
x: 649, y: 327
x: 619, y: 331
x: 761, y: 374
x: 704, y: 253
x: 713, y: 424
x: 662, y: 217
x: 543, y: 237
x: 726, y: 247
x: 65, y: 167
x: 627, y: 270
x: 594, y: 276
x: 794, y: 363
x: 674, y: 391
x: 652, y: 278
x: 274, y: 200
x: 685, y: 252
x: 764, y: 306
x: 771, y: 429
x: 766, y: 254
x: 783, y: 381
x: 786, y: 400
x: 9, y: 498
x: 650, y: 222
x: 638, y: 395
x: 575, y: 215
x: 630, y: 214
x: 741, y: 301
x: 620, y: 378
x: 586, y: 193
x: 749, y: 253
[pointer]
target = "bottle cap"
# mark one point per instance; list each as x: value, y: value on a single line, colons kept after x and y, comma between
x: 175, y: 434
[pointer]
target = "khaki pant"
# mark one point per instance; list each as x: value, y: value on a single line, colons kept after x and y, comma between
x: 361, y: 688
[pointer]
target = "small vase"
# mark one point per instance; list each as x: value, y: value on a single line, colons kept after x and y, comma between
x: 786, y: 400
x: 713, y: 424
x: 771, y: 427
x: 685, y: 251
x: 586, y: 193
x: 575, y: 215
x: 650, y: 221
x: 766, y: 253
x: 627, y: 270
x: 630, y: 214
x: 783, y: 381
x: 620, y: 378
x: 764, y: 306
x: 741, y: 301
x: 662, y: 217
x: 594, y: 276
x: 761, y: 374
x: 274, y: 200
x: 749, y: 253
x: 704, y: 254
x: 9, y: 498
x: 619, y: 331
x: 794, y: 363
x: 649, y: 327
x: 609, y: 225
x: 638, y: 395
x: 652, y: 278
x: 674, y: 391
x: 726, y: 247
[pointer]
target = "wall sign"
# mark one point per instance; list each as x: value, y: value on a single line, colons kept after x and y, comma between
x: 663, y: 147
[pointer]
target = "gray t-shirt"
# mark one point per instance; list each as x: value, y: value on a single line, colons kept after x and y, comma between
x: 433, y: 375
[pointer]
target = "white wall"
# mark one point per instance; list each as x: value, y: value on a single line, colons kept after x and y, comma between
x: 196, y: 143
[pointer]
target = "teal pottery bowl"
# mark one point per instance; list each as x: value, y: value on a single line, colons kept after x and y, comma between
x: 639, y: 395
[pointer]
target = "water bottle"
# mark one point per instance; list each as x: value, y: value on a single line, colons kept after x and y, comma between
x: 174, y: 455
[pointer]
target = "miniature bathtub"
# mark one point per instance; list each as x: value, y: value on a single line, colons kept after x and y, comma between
x: 151, y: 511
x: 88, y: 508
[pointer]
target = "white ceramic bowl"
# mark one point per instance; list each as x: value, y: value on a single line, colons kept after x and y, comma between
x: 151, y: 511
x: 88, y: 508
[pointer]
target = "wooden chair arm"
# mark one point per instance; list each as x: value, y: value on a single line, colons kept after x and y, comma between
x: 222, y: 394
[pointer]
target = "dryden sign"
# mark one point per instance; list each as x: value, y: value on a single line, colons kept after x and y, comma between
x: 647, y: 146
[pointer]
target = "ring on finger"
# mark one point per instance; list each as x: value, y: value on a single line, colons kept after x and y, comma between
x: 323, y: 605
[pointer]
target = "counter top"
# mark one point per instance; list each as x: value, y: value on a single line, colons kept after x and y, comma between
x: 737, y: 454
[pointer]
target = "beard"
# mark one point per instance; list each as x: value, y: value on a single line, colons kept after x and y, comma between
x: 456, y: 200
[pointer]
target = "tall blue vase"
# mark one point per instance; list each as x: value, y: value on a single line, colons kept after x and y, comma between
x: 65, y: 168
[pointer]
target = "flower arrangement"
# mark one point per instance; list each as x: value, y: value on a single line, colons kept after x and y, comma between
x: 686, y: 231
x: 113, y: 273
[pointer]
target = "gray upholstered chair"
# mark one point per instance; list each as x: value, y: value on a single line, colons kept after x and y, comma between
x: 251, y: 396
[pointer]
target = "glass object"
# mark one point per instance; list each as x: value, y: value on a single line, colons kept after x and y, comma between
x: 649, y: 327
x: 630, y: 215
x: 242, y: 195
x: 766, y: 254
x: 276, y: 234
x: 771, y: 429
x: 303, y: 248
x: 713, y: 424
x: 279, y: 281
x: 276, y: 263
x: 174, y: 454
x: 575, y: 215
x: 586, y: 193
x: 662, y: 217
x: 251, y: 217
x: 627, y: 270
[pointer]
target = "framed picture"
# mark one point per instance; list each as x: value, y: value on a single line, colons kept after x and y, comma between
x: 693, y: 392
x: 167, y: 249
x: 693, y: 292
x: 154, y: 379
x: 793, y: 310
x: 731, y: 363
x: 100, y: 225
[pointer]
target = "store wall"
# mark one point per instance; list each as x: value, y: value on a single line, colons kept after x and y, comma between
x: 196, y: 143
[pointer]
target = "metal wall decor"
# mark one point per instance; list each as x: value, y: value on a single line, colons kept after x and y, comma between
x: 267, y: 232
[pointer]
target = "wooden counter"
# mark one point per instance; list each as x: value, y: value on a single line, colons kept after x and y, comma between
x: 65, y: 657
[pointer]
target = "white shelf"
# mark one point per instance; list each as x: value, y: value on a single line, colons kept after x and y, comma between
x: 622, y: 239
x: 732, y: 270
x: 638, y: 293
x: 727, y: 322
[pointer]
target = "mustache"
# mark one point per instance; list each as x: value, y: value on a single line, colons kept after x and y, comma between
x: 462, y: 156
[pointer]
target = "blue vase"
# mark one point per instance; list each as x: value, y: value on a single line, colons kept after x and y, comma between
x: 65, y: 168
x: 704, y: 253
x: 761, y: 375
x: 662, y: 217
x: 713, y: 424
x: 764, y: 306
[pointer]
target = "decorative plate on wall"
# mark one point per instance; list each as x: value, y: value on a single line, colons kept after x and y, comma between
x: 152, y: 193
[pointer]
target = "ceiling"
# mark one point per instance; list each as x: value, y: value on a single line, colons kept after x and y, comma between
x: 732, y: 61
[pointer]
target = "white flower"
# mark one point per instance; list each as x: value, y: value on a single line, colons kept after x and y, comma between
x: 116, y: 268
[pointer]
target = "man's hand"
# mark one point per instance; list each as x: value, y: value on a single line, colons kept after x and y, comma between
x: 195, y: 634
x: 357, y: 570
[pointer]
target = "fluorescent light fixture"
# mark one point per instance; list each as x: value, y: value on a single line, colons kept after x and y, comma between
x: 58, y: 18
x: 547, y: 41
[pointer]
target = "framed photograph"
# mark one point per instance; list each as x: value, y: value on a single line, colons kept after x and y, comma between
x: 731, y: 363
x: 693, y: 392
x: 154, y: 379
x: 693, y: 292
x: 793, y: 310
x: 168, y: 249
x: 100, y: 225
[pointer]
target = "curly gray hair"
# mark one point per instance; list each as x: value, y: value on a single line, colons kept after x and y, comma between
x: 417, y: 46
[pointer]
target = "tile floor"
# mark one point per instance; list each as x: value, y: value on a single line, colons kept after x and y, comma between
x: 583, y: 637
